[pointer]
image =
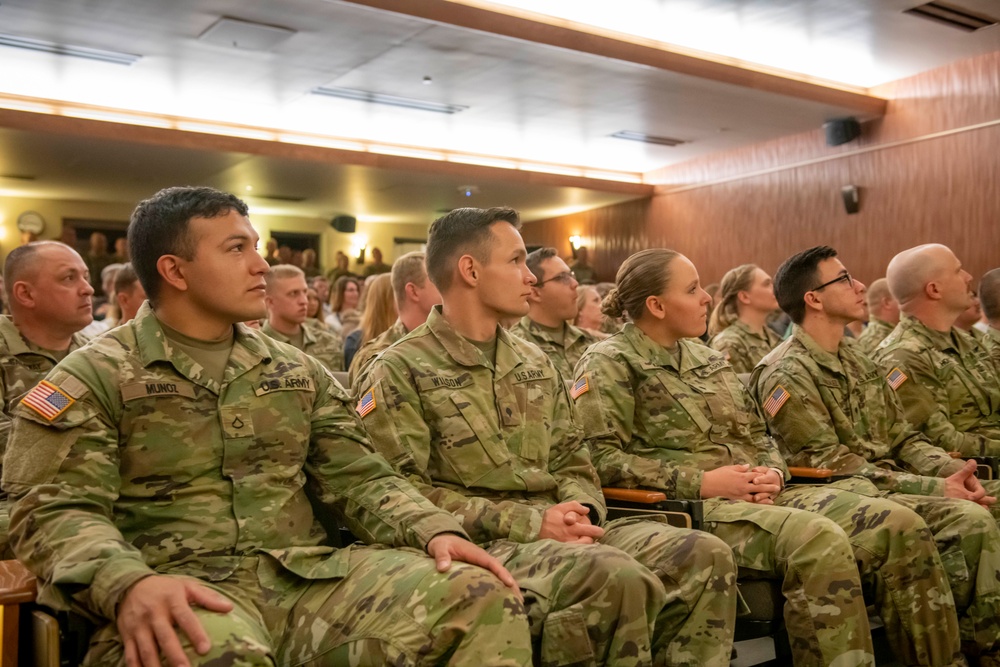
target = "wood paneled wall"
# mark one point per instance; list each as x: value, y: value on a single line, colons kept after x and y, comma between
x: 764, y: 202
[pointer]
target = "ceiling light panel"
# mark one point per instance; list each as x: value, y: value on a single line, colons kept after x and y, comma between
x: 648, y: 138
x: 389, y: 100
x: 953, y: 16
x: 246, y: 35
x: 101, y: 55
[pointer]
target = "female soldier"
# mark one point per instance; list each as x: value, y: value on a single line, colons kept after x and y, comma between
x: 739, y: 322
x: 662, y: 411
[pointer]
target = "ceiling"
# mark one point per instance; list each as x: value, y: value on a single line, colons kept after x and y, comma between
x: 546, y: 103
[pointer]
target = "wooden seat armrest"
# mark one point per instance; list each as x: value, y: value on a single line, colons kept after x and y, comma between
x: 810, y: 473
x: 956, y: 455
x: 17, y: 584
x: 643, y: 496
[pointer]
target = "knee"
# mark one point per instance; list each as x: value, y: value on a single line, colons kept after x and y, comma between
x: 810, y: 537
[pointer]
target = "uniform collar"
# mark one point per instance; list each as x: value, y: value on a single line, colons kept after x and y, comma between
x: 825, y: 359
x: 308, y: 334
x: 570, y: 333
x: 655, y: 355
x: 941, y: 340
x: 465, y: 353
x: 17, y: 344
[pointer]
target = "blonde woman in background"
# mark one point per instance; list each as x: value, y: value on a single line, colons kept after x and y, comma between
x: 588, y: 311
x: 379, y: 314
x: 738, y: 327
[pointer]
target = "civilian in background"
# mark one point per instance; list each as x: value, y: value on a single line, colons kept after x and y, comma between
x: 344, y: 299
x: 322, y: 287
x: 378, y: 315
x: 588, y: 311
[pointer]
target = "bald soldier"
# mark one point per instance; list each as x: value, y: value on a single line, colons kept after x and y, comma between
x: 883, y: 317
x: 159, y: 479
x: 287, y: 306
x: 414, y: 295
x: 481, y: 422
x: 989, y: 296
x: 946, y: 382
x: 829, y: 406
x: 551, y: 306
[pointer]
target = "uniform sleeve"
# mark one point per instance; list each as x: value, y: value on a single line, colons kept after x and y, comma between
x: 911, y: 447
x: 924, y: 397
x: 373, y: 500
x: 569, y: 458
x: 606, y: 411
x: 398, y: 431
x: 63, y: 476
x: 804, y: 428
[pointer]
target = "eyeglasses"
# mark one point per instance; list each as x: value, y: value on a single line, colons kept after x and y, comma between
x: 846, y: 277
x: 566, y: 277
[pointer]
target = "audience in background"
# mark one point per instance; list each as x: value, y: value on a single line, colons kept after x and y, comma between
x: 97, y: 259
x: 287, y: 304
x: 883, y: 316
x: 341, y: 268
x: 989, y: 295
x: 377, y: 266
x: 970, y: 317
x: 344, y: 298
x: 581, y: 267
x: 588, y: 311
x: 121, y: 250
x: 128, y: 294
x: 271, y: 252
x: 309, y: 264
x: 378, y: 315
x: 738, y: 324
x: 322, y: 286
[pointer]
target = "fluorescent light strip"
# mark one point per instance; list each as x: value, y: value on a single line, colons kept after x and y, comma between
x: 114, y: 57
x: 390, y: 100
x: 648, y: 138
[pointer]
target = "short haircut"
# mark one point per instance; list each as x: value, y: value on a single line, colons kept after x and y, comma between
x: 535, y: 259
x: 878, y: 290
x: 280, y: 272
x: 20, y: 262
x: 796, y: 276
x: 125, y: 279
x: 463, y: 231
x: 410, y: 268
x: 159, y: 226
x: 989, y: 294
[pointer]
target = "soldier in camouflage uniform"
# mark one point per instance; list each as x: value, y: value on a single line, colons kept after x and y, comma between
x: 287, y: 321
x: 829, y: 406
x: 414, y: 295
x: 738, y: 326
x: 946, y: 382
x: 49, y: 293
x: 160, y: 482
x: 989, y: 295
x: 481, y: 422
x: 552, y: 305
x: 883, y: 316
x: 661, y: 411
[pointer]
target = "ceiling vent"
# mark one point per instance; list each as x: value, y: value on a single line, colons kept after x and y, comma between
x: 390, y: 100
x: 950, y: 15
x: 240, y: 34
x: 114, y: 57
x: 648, y: 138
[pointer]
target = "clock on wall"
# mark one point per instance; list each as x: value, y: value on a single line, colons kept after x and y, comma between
x: 32, y: 222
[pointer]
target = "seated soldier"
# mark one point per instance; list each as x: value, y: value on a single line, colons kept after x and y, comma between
x: 48, y: 289
x: 968, y: 319
x: 129, y: 294
x: 883, y: 312
x: 946, y: 382
x: 159, y: 479
x: 551, y: 306
x: 481, y: 422
x: 287, y: 321
x: 989, y: 295
x: 663, y: 412
x: 829, y: 406
x: 415, y: 296
x: 739, y: 322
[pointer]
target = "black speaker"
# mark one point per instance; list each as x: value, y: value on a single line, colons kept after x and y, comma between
x: 852, y: 198
x: 345, y: 223
x: 841, y: 130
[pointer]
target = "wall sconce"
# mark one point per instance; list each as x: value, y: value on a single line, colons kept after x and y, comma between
x: 574, y: 244
x: 358, y: 249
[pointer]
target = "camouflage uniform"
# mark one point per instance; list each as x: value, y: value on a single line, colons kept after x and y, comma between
x: 154, y: 468
x: 22, y: 365
x: 840, y: 413
x: 873, y: 334
x: 947, y: 385
x: 742, y: 347
x: 370, y: 350
x: 565, y: 351
x: 495, y: 444
x: 992, y: 344
x: 319, y: 343
x: 660, y: 419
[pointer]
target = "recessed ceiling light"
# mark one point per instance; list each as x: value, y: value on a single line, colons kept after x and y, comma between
x: 390, y: 100
x: 102, y: 55
x: 240, y: 34
x: 952, y: 15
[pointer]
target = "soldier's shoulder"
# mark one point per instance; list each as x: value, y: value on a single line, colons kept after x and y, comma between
x: 411, y: 347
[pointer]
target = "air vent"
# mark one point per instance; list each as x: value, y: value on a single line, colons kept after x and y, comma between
x: 240, y: 34
x: 391, y: 100
x: 648, y: 138
x: 950, y: 15
x: 114, y: 57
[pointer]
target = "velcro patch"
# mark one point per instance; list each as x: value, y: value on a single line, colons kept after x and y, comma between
x: 895, y: 378
x: 367, y: 403
x: 580, y: 387
x: 48, y: 400
x: 134, y: 390
x: 777, y: 399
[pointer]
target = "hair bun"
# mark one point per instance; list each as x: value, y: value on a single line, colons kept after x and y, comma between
x: 612, y: 305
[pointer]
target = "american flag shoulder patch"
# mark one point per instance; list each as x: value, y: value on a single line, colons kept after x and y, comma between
x: 367, y: 403
x: 776, y: 400
x: 580, y: 387
x: 48, y: 400
x: 895, y: 378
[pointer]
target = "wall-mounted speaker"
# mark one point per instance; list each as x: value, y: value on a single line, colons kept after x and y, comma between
x: 345, y: 223
x: 851, y: 195
x: 841, y: 130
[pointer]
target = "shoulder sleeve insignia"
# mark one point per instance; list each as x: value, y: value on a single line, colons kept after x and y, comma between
x: 776, y: 400
x: 367, y: 403
x: 580, y: 387
x: 48, y: 400
x: 895, y: 378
